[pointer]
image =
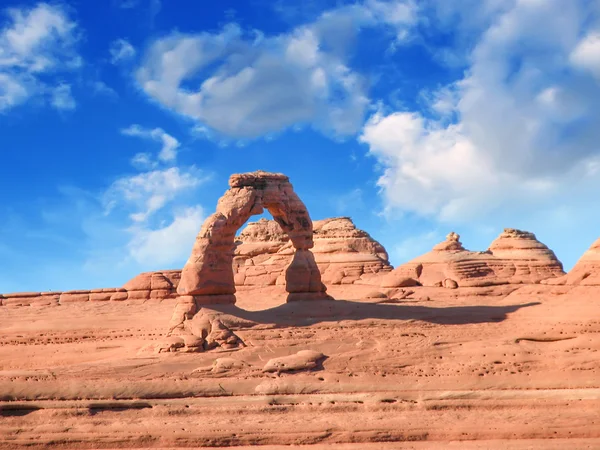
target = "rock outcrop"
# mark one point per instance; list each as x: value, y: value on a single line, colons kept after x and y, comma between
x: 81, y: 296
x: 514, y: 257
x: 154, y: 285
x: 208, y: 271
x: 527, y: 260
x: 343, y: 253
x: 586, y: 272
x: 207, y: 277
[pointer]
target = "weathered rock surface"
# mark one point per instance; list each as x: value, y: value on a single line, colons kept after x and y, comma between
x: 208, y: 271
x: 207, y: 277
x: 586, y: 272
x: 344, y: 254
x: 515, y: 257
x: 303, y: 360
x: 82, y: 296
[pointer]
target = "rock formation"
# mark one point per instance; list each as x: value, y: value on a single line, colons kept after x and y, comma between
x: 207, y: 277
x: 514, y: 257
x: 343, y: 253
x: 81, y: 296
x: 587, y: 270
x: 208, y: 272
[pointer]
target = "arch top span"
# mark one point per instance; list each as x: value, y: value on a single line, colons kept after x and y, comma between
x: 208, y: 273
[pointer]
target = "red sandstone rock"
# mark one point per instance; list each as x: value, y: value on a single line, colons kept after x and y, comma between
x: 587, y: 270
x: 138, y: 295
x: 164, y: 279
x: 74, y: 297
x: 119, y: 296
x: 100, y: 296
x: 532, y: 260
x: 515, y: 257
x: 344, y: 254
x: 208, y: 275
x: 208, y: 271
x: 303, y: 360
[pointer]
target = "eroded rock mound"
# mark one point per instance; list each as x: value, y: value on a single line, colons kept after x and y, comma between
x: 303, y: 360
x: 344, y: 254
x: 532, y: 261
x: 586, y: 272
x: 514, y: 257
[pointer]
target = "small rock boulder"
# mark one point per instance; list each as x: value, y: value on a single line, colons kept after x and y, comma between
x: 303, y: 360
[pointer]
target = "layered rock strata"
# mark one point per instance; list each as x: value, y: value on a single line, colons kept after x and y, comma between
x: 343, y: 253
x: 515, y: 257
x: 586, y: 271
x: 80, y: 296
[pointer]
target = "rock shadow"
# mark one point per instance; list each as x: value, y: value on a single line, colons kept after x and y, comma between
x: 305, y: 313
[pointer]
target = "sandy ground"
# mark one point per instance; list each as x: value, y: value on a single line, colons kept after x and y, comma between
x: 490, y: 368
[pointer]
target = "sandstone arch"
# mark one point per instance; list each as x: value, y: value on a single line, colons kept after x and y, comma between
x: 207, y: 277
x: 208, y: 273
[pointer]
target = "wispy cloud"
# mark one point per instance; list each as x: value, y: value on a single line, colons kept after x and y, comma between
x: 101, y: 88
x: 170, y: 145
x: 168, y: 244
x: 121, y: 51
x: 128, y: 4
x: 62, y: 98
x: 148, y: 192
x: 348, y: 202
x: 36, y: 44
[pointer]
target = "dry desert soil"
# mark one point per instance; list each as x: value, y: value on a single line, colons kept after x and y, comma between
x: 507, y: 367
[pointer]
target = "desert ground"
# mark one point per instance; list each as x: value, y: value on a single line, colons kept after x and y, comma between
x: 509, y: 366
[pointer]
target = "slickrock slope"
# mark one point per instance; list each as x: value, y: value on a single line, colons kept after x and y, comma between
x: 587, y: 270
x: 344, y: 253
x: 515, y: 257
x: 457, y: 370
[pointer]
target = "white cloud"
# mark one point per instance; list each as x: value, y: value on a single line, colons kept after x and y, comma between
x: 12, y: 92
x: 169, y: 244
x: 247, y: 86
x: 143, y: 161
x: 170, y: 145
x: 35, y: 44
x: 148, y: 192
x: 121, y: 50
x: 62, y: 99
x: 520, y: 129
x: 587, y: 53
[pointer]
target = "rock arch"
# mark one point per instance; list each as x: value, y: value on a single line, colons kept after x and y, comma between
x: 207, y: 277
x: 208, y: 273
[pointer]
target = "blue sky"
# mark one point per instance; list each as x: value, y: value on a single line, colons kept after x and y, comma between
x: 121, y: 121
